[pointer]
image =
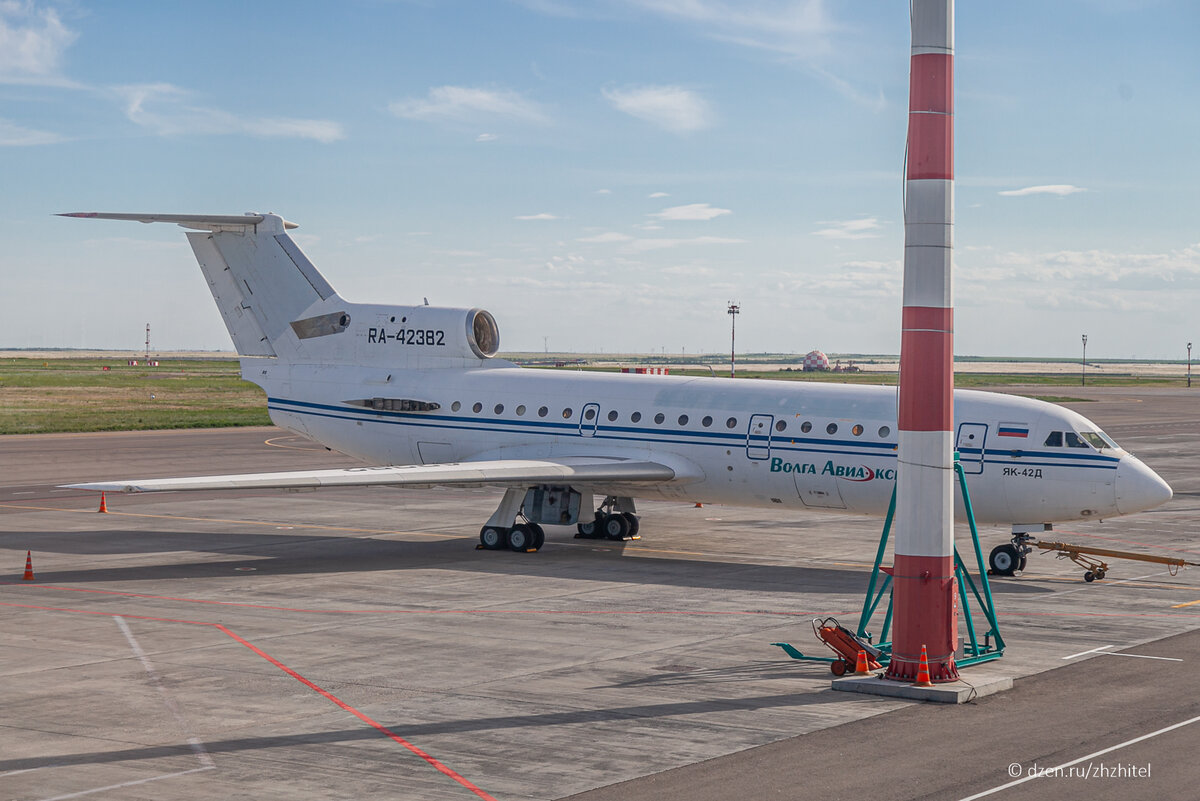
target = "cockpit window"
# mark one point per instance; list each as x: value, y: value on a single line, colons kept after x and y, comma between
x: 1054, y: 440
x: 1098, y: 440
x: 1074, y: 440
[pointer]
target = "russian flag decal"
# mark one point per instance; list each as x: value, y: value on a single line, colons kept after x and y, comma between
x: 1010, y: 430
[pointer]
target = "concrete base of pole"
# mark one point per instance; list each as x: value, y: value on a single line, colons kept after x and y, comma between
x: 953, y: 692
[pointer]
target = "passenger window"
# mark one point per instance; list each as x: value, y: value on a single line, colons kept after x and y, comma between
x: 781, y: 425
x: 499, y: 408
x: 454, y: 407
x: 658, y: 418
x: 520, y: 411
x: 731, y: 422
x: 1054, y: 440
x: 1074, y: 441
x: 589, y: 414
x: 884, y: 431
x: 683, y: 419
x: 635, y: 417
x: 567, y: 412
x: 831, y: 428
x: 612, y: 416
x: 542, y: 412
x: 707, y: 421
x: 857, y: 430
x: 477, y: 408
x: 805, y: 427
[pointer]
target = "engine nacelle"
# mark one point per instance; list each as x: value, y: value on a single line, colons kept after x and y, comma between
x: 420, y: 333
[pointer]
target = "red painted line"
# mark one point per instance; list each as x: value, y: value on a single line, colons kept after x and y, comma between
x: 240, y: 605
x: 1097, y: 614
x: 442, y: 768
x: 104, y: 614
x: 931, y: 83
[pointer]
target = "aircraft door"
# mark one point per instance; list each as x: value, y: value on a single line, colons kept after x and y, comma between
x: 970, y: 446
x: 758, y: 436
x: 589, y: 416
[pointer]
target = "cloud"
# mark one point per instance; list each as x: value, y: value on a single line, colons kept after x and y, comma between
x: 543, y: 216
x: 1049, y: 189
x: 672, y: 108
x: 691, y: 212
x: 486, y: 137
x: 603, y: 191
x: 32, y: 42
x: 642, y: 245
x: 611, y: 236
x: 794, y: 27
x: 12, y: 135
x: 163, y: 109
x: 658, y: 194
x: 463, y: 103
x: 864, y: 228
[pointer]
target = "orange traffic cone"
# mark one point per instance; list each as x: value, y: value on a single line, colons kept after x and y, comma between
x: 862, y: 668
x: 103, y: 506
x: 28, y: 567
x: 923, y: 670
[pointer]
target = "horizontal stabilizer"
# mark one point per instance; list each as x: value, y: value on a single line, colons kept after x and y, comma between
x: 501, y: 472
x: 203, y: 222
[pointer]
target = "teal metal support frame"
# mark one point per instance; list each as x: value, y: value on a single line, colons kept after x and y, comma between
x: 973, y: 651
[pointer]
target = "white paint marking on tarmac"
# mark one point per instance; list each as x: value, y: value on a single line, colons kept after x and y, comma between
x: 1085, y: 653
x: 133, y: 783
x: 206, y: 760
x: 1143, y: 656
x: 1102, y: 752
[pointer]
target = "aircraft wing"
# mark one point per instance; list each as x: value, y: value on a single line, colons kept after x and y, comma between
x: 499, y: 472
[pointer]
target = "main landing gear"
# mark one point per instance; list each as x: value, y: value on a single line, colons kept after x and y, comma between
x: 614, y: 520
x: 522, y: 537
x: 509, y: 528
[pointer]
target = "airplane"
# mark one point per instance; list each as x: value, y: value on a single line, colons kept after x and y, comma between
x: 418, y: 394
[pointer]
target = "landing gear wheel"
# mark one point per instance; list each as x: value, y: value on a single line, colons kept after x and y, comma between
x: 1099, y: 574
x: 539, y: 537
x: 837, y: 667
x: 634, y: 524
x: 1089, y: 576
x: 1021, y: 564
x: 616, y: 527
x: 492, y: 537
x: 1005, y: 560
x: 591, y: 528
x: 520, y: 538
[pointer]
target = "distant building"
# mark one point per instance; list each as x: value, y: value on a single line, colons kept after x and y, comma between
x: 815, y: 361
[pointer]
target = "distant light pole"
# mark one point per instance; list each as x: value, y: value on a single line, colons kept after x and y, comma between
x: 1083, y: 371
x: 734, y: 310
x: 1189, y: 365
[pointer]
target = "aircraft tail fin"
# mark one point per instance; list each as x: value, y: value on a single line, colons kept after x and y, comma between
x: 261, y: 280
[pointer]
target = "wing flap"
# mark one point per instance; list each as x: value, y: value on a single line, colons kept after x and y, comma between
x: 581, y: 470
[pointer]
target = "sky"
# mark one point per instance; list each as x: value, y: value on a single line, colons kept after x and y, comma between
x: 606, y: 175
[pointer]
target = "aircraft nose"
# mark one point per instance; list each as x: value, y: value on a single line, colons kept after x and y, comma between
x: 1139, y: 488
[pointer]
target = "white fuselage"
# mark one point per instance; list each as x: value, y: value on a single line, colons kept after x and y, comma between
x: 802, y: 445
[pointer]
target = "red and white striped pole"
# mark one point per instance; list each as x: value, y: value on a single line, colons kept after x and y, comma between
x: 924, y: 586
